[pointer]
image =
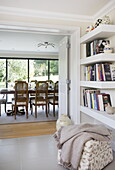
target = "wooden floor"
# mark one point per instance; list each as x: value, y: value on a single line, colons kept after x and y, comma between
x: 27, y: 129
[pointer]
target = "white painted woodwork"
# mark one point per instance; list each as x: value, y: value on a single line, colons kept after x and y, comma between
x: 74, y: 62
x: 102, y: 31
x: 98, y: 84
x: 100, y: 116
x: 48, y: 8
x: 63, y: 76
x: 102, y: 57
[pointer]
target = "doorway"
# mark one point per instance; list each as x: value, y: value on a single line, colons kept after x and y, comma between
x: 74, y: 34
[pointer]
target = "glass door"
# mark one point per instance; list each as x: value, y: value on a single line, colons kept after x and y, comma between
x: 17, y: 69
x: 2, y: 76
x: 38, y: 70
x: 53, y: 71
x: 2, y: 73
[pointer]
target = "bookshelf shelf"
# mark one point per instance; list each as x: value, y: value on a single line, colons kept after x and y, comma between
x: 103, y: 31
x: 98, y: 84
x: 102, y: 57
x: 100, y: 116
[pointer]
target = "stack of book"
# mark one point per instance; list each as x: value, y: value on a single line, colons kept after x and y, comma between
x: 96, y: 47
x: 96, y: 100
x: 100, y: 72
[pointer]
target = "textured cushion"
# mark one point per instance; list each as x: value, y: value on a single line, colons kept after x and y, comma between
x: 96, y: 155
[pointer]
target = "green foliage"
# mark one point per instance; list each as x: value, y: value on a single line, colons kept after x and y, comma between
x: 54, y: 67
x: 40, y: 68
x: 17, y: 70
x: 2, y: 70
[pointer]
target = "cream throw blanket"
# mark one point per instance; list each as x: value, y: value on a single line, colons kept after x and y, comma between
x: 71, y: 140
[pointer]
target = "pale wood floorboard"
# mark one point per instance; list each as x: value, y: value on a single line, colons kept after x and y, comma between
x: 27, y: 129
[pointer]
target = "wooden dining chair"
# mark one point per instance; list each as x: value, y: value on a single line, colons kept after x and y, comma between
x: 2, y: 101
x: 41, y: 97
x: 32, y: 95
x: 20, y: 97
x: 50, y: 83
x: 54, y: 100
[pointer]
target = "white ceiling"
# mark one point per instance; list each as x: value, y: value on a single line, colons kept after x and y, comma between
x: 77, y: 7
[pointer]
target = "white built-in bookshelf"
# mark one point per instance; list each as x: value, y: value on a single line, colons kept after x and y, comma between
x: 102, y: 57
x: 100, y: 116
x: 98, y: 84
x: 102, y: 31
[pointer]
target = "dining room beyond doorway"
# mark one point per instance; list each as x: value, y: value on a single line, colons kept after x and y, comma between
x: 31, y: 71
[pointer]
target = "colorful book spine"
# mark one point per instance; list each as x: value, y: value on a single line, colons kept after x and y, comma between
x: 112, y: 69
x: 107, y: 72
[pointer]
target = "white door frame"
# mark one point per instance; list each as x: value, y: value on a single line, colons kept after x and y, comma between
x: 74, y: 61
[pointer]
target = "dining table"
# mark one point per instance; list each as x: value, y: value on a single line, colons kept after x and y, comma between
x: 8, y: 91
x: 12, y: 91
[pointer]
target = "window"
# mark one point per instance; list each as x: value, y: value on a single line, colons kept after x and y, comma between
x: 17, y: 70
x: 27, y: 69
x: 38, y: 70
x: 2, y: 73
x: 53, y: 70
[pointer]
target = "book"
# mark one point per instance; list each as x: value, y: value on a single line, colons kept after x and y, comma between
x: 88, y: 97
x: 85, y: 98
x: 88, y: 51
x: 112, y: 69
x: 97, y: 72
x: 94, y: 47
x: 100, y: 102
x: 92, y: 73
x: 88, y: 72
x: 103, y: 72
x: 91, y: 48
x: 100, y: 45
x: 103, y: 101
x: 106, y: 100
x: 107, y: 72
x: 96, y: 103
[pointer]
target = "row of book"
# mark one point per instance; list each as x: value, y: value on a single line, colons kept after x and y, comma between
x: 100, y: 72
x: 96, y: 47
x: 96, y: 100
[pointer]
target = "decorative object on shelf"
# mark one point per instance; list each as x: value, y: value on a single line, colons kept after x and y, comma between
x: 64, y: 120
x: 98, y: 22
x: 110, y: 109
x: 107, y: 48
x: 89, y: 28
x: 106, y: 20
x: 46, y: 44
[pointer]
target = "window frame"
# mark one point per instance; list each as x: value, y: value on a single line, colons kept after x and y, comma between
x: 28, y: 64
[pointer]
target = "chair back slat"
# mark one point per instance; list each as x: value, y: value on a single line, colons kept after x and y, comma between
x: 21, y: 91
x: 50, y: 83
x: 41, y: 91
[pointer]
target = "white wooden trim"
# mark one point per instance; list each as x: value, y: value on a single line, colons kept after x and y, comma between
x: 100, y: 116
x: 102, y: 57
x: 98, y: 84
x: 58, y: 16
x: 44, y: 14
x: 28, y: 54
x: 102, y: 31
x: 37, y: 28
x: 75, y: 77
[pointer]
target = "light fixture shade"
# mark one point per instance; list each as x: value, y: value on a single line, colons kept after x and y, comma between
x: 46, y: 44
